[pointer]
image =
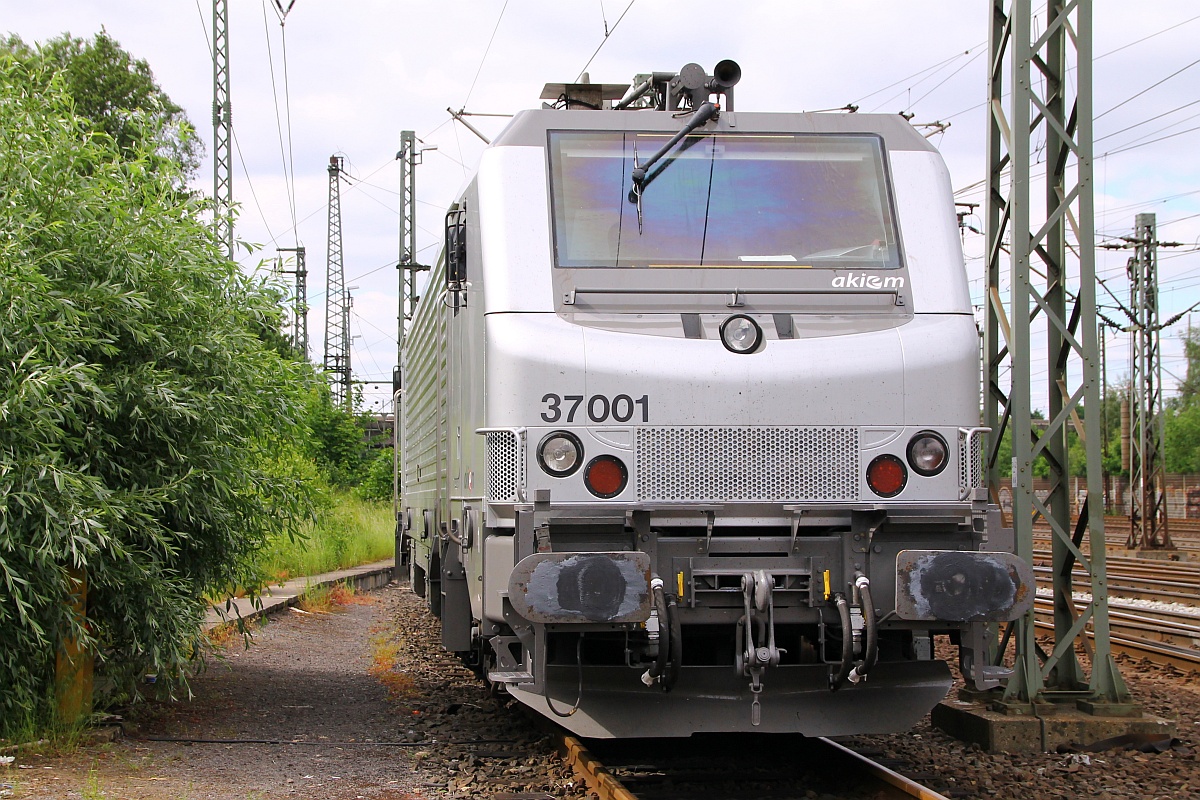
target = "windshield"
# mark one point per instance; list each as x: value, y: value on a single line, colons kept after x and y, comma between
x: 722, y: 200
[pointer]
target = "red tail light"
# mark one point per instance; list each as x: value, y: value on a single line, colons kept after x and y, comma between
x: 605, y: 476
x: 887, y: 475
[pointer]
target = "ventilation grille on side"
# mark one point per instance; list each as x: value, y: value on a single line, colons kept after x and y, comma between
x: 762, y: 464
x: 506, y: 465
x: 970, y: 460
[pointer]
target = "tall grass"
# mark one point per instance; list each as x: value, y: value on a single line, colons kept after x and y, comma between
x: 348, y: 531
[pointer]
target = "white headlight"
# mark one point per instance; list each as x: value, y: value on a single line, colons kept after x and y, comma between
x: 927, y: 453
x: 560, y: 453
x: 740, y: 334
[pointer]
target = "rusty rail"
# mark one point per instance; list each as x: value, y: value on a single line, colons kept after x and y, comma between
x: 886, y: 784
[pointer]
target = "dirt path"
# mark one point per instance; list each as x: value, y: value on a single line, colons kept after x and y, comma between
x: 362, y: 707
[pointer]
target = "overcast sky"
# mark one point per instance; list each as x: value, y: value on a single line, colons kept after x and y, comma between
x: 358, y: 72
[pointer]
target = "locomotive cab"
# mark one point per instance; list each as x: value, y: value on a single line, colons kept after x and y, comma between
x: 691, y: 430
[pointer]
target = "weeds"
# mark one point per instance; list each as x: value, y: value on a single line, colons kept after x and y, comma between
x: 316, y: 600
x: 385, y: 652
x: 45, y: 735
x: 323, y: 599
x: 91, y: 787
x: 348, y: 532
x: 221, y: 635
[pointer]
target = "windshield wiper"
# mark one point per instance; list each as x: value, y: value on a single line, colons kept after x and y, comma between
x: 701, y: 115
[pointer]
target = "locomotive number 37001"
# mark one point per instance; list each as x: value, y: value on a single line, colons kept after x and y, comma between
x: 599, y: 407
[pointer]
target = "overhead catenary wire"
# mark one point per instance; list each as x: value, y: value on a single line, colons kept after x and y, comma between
x: 486, y: 50
x: 607, y: 33
x: 933, y: 72
x: 288, y: 174
x: 389, y: 265
x: 936, y: 66
x: 287, y: 105
x: 253, y: 194
x: 1148, y: 88
x: 1150, y: 142
x: 971, y: 61
x: 353, y: 186
x: 1145, y: 121
x: 1167, y: 29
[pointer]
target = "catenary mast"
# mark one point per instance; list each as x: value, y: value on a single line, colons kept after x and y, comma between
x: 337, y: 305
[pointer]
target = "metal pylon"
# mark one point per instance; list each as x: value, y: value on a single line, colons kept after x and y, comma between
x: 1147, y: 490
x: 222, y: 129
x: 337, y: 306
x: 408, y: 237
x: 299, y: 299
x: 1046, y: 286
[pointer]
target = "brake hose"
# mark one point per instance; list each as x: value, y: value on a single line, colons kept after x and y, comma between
x: 870, y: 631
x: 843, y: 608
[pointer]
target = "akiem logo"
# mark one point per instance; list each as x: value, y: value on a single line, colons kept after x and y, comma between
x: 865, y: 280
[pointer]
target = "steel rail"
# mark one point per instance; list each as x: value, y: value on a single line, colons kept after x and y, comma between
x: 1132, y: 586
x: 591, y: 771
x: 607, y: 786
x: 908, y: 788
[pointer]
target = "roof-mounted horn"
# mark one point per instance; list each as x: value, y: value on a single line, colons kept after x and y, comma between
x: 694, y: 85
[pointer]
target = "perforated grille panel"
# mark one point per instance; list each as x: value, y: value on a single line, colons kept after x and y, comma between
x: 970, y: 460
x: 506, y: 461
x: 775, y: 464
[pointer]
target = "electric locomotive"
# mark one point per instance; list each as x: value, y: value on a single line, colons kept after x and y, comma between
x: 690, y: 419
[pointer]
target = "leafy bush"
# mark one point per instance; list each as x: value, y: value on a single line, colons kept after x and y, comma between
x: 144, y: 426
x: 335, y: 440
x: 377, y: 483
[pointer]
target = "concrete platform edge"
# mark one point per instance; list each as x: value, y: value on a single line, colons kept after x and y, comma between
x: 279, y: 598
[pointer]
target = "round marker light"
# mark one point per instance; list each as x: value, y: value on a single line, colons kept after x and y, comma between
x: 886, y: 475
x: 560, y: 453
x: 605, y: 476
x: 927, y: 453
x: 740, y: 334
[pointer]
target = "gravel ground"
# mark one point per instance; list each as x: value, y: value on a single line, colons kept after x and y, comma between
x: 961, y: 770
x: 365, y: 707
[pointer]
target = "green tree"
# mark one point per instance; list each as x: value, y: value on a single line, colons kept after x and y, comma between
x: 1111, y: 423
x: 378, y: 482
x: 1004, y: 453
x: 119, y: 95
x: 143, y: 420
x: 1181, y: 436
x: 1189, y: 387
x: 336, y: 440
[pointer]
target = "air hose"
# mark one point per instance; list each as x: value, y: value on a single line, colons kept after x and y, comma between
x: 675, y: 643
x: 870, y: 631
x: 659, y: 667
x: 843, y: 609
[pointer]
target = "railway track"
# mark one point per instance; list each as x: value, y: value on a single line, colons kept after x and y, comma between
x: 731, y: 767
x: 1163, y: 635
x: 1185, y: 534
x: 1160, y: 635
x: 1183, y: 589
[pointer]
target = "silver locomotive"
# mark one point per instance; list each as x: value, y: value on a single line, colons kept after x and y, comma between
x: 690, y: 419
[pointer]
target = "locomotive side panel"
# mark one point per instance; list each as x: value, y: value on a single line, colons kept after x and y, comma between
x: 425, y: 423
